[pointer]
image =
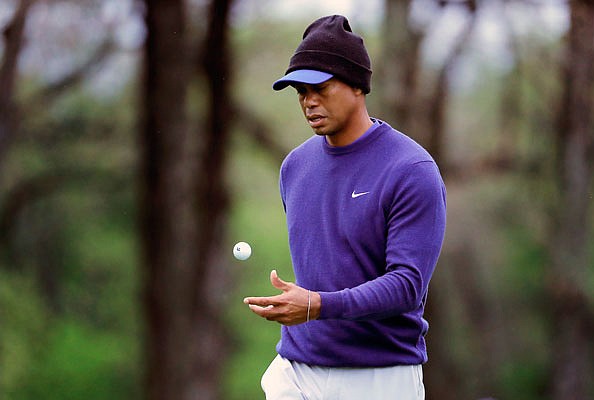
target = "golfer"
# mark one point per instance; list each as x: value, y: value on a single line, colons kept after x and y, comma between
x: 366, y: 214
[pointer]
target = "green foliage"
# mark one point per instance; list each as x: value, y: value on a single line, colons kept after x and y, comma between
x: 80, y: 362
x: 528, y: 259
x: 523, y: 300
x: 23, y: 319
x: 89, y: 348
x: 69, y: 284
x: 526, y: 380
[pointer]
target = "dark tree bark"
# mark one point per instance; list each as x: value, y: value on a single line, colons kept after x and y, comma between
x: 443, y: 375
x: 168, y: 207
x: 13, y: 43
x: 399, y: 65
x: 213, y: 204
x: 572, y: 231
x: 184, y: 205
x: 213, y: 194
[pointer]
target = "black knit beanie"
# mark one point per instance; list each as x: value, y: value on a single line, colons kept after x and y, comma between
x: 329, y: 45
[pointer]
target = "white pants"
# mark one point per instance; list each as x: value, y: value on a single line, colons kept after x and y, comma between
x: 290, y: 380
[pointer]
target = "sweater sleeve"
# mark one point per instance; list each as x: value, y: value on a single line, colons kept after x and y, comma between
x: 415, y: 232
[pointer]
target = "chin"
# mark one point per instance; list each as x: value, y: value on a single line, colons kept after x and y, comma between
x: 323, y: 132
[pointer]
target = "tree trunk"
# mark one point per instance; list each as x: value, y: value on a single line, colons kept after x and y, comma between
x: 13, y: 42
x: 168, y: 207
x: 399, y: 67
x: 213, y: 204
x: 185, y: 203
x: 439, y: 100
x: 443, y: 378
x: 571, y: 238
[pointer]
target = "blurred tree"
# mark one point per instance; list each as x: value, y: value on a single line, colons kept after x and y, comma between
x: 64, y: 154
x: 13, y: 43
x: 573, y: 315
x: 184, y: 204
x: 439, y: 98
x: 399, y: 68
x: 421, y: 111
x: 21, y: 193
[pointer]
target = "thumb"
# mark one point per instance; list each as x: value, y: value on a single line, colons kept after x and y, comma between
x: 278, y: 282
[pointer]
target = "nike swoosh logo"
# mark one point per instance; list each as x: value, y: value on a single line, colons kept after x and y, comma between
x: 355, y: 195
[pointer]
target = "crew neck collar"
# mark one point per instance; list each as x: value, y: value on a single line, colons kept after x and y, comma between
x: 360, y: 142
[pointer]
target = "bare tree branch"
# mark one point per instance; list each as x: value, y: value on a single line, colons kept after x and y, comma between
x: 32, y: 189
x: 493, y: 165
x: 13, y: 40
x: 440, y: 96
x: 55, y: 89
x: 256, y: 129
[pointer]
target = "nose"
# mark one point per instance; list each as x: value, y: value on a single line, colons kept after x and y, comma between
x: 310, y: 99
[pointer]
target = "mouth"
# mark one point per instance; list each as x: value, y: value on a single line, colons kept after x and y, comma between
x: 315, y: 120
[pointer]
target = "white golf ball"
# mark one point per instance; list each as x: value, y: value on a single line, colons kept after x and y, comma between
x: 242, y: 251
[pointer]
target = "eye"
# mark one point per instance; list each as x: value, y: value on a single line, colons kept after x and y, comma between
x: 321, y: 87
x: 300, y: 89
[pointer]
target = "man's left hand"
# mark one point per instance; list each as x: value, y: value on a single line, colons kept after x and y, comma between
x: 288, y: 308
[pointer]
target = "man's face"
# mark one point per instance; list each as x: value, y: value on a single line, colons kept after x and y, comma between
x: 329, y: 106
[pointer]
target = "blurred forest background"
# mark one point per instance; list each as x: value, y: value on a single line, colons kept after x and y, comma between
x: 140, y: 139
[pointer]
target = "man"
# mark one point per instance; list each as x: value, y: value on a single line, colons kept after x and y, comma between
x: 365, y: 209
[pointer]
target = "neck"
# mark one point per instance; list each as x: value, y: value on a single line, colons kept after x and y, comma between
x: 357, y: 126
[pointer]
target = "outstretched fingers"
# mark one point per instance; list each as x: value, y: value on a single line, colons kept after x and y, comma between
x: 261, y: 301
x: 263, y: 307
x: 262, y: 311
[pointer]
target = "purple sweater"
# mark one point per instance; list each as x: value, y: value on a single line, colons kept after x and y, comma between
x: 366, y: 223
